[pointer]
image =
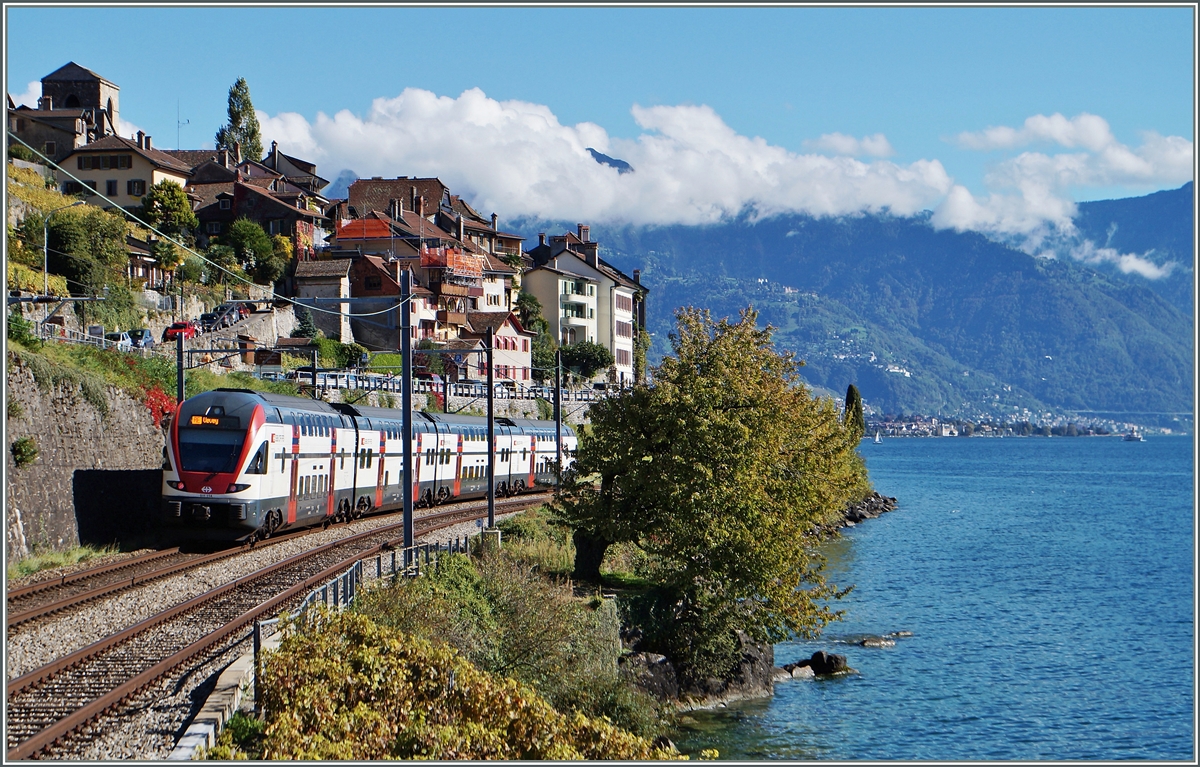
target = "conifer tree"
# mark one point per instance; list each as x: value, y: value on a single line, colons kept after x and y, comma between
x: 305, y: 327
x: 243, y: 124
x: 853, y: 416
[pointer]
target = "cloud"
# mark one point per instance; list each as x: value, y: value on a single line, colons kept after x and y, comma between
x: 1028, y: 197
x: 516, y: 158
x: 840, y: 143
x: 31, y: 95
x: 1127, y: 262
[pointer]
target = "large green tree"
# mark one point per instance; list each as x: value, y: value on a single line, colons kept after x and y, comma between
x: 586, y: 358
x: 853, y: 415
x: 724, y: 472
x: 87, y: 246
x: 167, y: 208
x: 254, y: 249
x: 242, y: 127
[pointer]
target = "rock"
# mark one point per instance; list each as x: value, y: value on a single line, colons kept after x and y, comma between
x: 876, y: 642
x: 803, y: 672
x: 664, y: 743
x: 782, y: 674
x: 652, y: 673
x: 900, y: 634
x: 823, y: 663
x: 753, y: 677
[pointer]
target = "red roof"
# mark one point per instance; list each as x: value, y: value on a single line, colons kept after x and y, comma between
x: 363, y: 228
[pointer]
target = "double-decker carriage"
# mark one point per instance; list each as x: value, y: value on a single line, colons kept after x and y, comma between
x: 251, y: 463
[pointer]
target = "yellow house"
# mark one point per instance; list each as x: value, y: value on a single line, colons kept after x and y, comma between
x: 121, y: 169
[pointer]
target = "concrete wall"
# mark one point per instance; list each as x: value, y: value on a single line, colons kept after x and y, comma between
x: 97, y: 476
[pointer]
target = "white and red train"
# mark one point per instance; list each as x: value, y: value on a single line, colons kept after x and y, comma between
x: 251, y: 463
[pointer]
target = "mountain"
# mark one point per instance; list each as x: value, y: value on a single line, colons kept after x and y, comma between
x: 929, y: 321
x: 339, y: 188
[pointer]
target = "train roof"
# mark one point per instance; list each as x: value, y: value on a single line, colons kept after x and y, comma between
x: 283, y: 400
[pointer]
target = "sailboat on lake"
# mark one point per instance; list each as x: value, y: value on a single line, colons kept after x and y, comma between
x: 878, y: 441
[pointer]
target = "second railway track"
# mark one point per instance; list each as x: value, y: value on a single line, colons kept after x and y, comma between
x: 48, y: 703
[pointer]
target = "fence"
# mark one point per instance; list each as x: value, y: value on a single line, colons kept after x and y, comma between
x: 339, y: 592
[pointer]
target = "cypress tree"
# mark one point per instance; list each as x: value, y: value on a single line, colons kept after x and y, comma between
x: 243, y: 124
x: 853, y: 416
x: 305, y: 327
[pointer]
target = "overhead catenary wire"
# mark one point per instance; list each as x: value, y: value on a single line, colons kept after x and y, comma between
x: 271, y: 294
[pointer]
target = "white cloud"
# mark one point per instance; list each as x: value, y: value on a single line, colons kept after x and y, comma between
x: 840, y: 143
x: 516, y: 158
x: 1029, y: 199
x: 31, y: 95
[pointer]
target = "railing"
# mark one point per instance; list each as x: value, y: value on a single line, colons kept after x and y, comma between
x: 340, y: 592
x: 472, y: 389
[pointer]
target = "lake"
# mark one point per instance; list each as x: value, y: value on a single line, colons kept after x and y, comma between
x: 1049, y: 587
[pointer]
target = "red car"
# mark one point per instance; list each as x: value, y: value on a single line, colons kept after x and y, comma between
x: 186, y: 329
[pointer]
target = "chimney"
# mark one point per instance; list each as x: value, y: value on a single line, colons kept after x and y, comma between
x: 462, y: 229
x: 46, y: 102
x: 541, y: 239
x: 583, y: 232
x: 637, y: 276
x: 593, y: 254
x: 415, y: 207
x: 237, y: 153
x: 495, y: 223
x: 141, y: 139
x: 147, y: 142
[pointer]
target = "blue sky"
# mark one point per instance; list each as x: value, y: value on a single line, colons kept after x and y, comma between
x: 827, y: 110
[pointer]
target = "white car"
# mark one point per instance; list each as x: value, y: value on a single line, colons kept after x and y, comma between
x: 121, y: 341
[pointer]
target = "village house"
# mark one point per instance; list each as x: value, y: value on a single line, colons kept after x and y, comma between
x: 121, y: 169
x: 584, y: 298
x: 512, y: 344
x: 327, y: 279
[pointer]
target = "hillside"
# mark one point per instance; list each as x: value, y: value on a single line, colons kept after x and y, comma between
x: 925, y: 321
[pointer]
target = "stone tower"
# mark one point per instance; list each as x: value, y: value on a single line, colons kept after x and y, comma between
x: 74, y: 87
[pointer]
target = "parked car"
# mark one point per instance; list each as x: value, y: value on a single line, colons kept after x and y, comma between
x: 187, y: 329
x: 142, y: 338
x: 121, y: 341
x: 210, y: 321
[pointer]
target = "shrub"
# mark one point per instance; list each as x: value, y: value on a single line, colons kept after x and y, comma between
x: 346, y: 687
x: 15, y: 410
x: 24, y: 451
x: 20, y: 330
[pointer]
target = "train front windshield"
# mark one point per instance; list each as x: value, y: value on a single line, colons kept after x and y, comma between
x: 210, y: 450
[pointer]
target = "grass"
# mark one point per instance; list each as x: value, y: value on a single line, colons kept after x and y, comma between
x: 48, y: 560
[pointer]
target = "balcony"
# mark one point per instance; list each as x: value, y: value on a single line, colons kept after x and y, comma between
x: 452, y: 318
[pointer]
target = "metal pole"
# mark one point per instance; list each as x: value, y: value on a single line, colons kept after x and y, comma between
x: 558, y: 414
x: 491, y: 418
x: 406, y: 402
x: 179, y: 366
x: 314, y: 375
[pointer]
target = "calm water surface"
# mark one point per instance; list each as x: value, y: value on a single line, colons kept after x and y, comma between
x: 1049, y: 587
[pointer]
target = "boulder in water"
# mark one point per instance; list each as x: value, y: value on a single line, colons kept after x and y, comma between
x: 823, y: 663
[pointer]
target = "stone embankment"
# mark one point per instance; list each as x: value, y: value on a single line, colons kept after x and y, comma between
x: 870, y: 507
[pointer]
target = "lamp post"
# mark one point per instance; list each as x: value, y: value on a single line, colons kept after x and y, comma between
x: 46, y: 246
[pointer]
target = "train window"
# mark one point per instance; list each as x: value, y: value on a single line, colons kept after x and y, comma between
x: 343, y: 464
x: 385, y: 478
x: 258, y: 464
x: 370, y: 456
x: 166, y: 459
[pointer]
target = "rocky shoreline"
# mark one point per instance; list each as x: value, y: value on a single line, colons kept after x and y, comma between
x: 871, y: 507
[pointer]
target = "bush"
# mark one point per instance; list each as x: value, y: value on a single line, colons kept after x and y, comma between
x: 14, y: 409
x: 346, y: 687
x: 21, y: 330
x: 24, y: 451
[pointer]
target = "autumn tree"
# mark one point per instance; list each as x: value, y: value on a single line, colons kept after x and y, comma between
x: 167, y: 208
x: 723, y: 472
x: 242, y: 127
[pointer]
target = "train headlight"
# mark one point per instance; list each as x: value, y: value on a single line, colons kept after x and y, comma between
x: 236, y: 487
x: 176, y: 485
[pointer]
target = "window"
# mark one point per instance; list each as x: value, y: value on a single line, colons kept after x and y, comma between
x: 624, y: 303
x: 51, y: 148
x: 524, y: 344
x: 624, y: 329
x: 72, y: 187
x: 90, y: 185
x: 591, y: 290
x: 136, y: 187
x: 493, y: 300
x: 623, y: 357
x: 591, y: 312
x: 374, y: 282
x: 226, y: 203
x: 213, y: 227
x: 110, y: 187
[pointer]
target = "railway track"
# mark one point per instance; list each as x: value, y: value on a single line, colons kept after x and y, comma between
x: 47, y: 705
x: 56, y: 596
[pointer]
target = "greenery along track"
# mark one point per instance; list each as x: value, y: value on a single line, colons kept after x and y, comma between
x: 48, y: 704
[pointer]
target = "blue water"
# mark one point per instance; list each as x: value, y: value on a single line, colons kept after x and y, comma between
x: 1049, y: 587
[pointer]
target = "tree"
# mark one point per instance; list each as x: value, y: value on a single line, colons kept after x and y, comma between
x: 87, y: 246
x: 529, y: 310
x: 167, y: 208
x: 167, y: 254
x: 641, y: 345
x: 243, y: 127
x: 305, y: 327
x: 852, y: 419
x: 225, y: 260
x: 723, y: 472
x: 253, y: 249
x: 586, y: 358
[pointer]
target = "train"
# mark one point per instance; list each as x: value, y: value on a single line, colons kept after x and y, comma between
x: 248, y: 464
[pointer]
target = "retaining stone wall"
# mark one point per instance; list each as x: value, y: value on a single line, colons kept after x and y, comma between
x: 97, y: 477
